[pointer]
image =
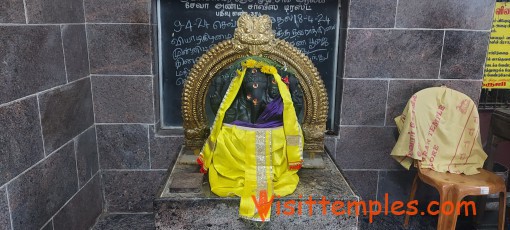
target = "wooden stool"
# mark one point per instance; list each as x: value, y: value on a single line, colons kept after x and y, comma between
x: 454, y: 187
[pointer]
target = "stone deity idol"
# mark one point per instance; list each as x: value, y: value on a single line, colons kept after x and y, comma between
x: 256, y: 142
x: 264, y: 115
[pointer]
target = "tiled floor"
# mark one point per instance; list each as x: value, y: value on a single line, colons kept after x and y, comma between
x: 146, y: 222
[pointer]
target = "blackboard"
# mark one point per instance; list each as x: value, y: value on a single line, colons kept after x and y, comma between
x: 188, y: 28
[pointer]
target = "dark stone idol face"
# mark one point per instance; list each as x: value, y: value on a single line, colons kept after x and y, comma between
x: 254, y: 86
x: 272, y: 90
x: 257, y: 90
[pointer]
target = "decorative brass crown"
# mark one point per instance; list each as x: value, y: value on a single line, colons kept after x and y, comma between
x: 253, y: 30
x: 254, y: 34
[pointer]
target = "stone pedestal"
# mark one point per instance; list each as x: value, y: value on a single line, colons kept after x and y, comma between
x: 198, y: 208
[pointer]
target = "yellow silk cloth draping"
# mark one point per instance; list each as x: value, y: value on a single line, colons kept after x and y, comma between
x: 248, y: 161
x: 439, y: 129
x: 244, y: 161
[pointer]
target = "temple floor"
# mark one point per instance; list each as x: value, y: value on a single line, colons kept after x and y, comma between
x: 146, y: 222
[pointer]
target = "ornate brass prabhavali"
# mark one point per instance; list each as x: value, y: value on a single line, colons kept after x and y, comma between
x: 254, y: 37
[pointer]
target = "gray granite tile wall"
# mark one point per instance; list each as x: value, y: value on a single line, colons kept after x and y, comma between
x: 372, y: 13
x: 365, y: 147
x: 48, y: 226
x: 54, y: 11
x: 35, y: 196
x: 131, y: 191
x: 48, y: 149
x: 123, y: 146
x: 163, y: 149
x: 123, y: 99
x: 37, y: 193
x: 364, y: 102
x: 83, y: 209
x: 391, y: 53
x: 28, y: 51
x: 5, y: 219
x: 330, y: 143
x: 396, y: 186
x: 120, y: 49
x: 87, y: 160
x: 12, y: 11
x: 117, y: 11
x: 464, y: 54
x: 393, y: 50
x: 132, y: 157
x: 20, y: 138
x: 76, y: 52
x: 155, y: 58
x: 445, y: 14
x: 155, y: 89
x: 65, y: 112
x: 119, y: 36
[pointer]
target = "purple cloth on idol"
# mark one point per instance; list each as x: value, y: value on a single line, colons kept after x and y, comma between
x: 271, y: 117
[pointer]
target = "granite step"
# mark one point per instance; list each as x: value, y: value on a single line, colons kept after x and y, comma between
x: 189, y: 207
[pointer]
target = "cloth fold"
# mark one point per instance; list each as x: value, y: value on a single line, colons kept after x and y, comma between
x: 439, y: 129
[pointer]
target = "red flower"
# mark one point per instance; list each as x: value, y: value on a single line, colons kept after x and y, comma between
x: 286, y: 80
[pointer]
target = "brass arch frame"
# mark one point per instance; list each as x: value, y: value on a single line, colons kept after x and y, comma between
x: 254, y: 36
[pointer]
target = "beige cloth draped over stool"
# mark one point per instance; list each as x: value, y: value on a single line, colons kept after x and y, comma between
x: 439, y: 128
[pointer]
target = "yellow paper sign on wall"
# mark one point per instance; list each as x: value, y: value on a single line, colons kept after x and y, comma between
x: 497, y: 67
